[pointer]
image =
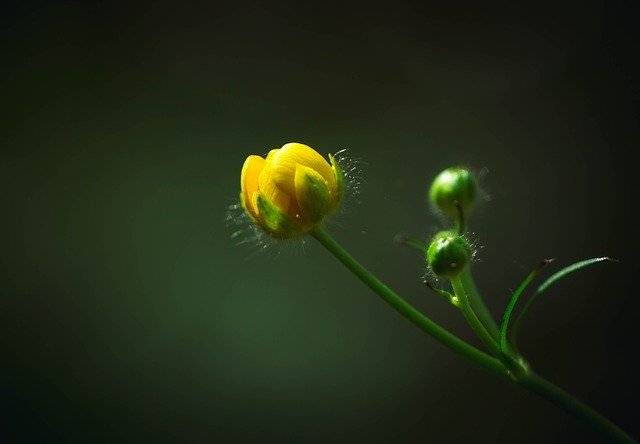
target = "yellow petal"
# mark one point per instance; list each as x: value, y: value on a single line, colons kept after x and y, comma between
x: 284, y: 161
x: 251, y: 170
x: 271, y: 191
x: 271, y: 154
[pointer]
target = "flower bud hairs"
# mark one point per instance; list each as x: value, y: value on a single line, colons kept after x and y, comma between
x: 293, y: 190
x: 290, y: 190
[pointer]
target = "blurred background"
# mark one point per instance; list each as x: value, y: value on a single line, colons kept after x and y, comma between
x: 127, y: 312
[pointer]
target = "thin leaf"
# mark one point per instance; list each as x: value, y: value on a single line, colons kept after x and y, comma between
x: 549, y: 282
x: 568, y: 270
x: 504, y: 325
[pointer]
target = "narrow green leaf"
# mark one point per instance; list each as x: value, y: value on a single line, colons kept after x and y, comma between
x: 549, y: 282
x: 504, y: 325
x: 568, y: 270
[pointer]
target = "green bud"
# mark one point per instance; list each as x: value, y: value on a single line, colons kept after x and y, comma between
x: 451, y: 187
x: 448, y: 254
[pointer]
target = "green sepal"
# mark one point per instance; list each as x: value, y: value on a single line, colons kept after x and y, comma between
x: 312, y: 194
x: 337, y: 171
x: 272, y: 219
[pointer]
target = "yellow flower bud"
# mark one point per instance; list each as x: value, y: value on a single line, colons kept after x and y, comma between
x: 291, y: 190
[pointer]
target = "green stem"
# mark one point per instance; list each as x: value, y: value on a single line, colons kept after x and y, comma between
x: 519, y: 375
x: 572, y: 405
x: 461, y: 226
x: 405, y: 309
x: 477, y: 304
x: 472, y: 318
x: 522, y: 375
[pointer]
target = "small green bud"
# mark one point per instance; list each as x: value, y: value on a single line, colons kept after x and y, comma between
x: 451, y: 187
x: 448, y: 254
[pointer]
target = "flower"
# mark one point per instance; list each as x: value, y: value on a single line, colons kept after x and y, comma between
x: 291, y: 190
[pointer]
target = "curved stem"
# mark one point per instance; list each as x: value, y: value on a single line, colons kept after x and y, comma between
x: 520, y: 376
x: 460, y: 223
x: 477, y: 304
x: 472, y: 318
x: 564, y: 400
x: 405, y: 309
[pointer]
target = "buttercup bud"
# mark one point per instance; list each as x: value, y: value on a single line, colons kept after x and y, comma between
x: 448, y: 254
x: 451, y: 187
x: 291, y: 190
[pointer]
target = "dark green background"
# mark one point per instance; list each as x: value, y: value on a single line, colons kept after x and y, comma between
x: 127, y: 312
